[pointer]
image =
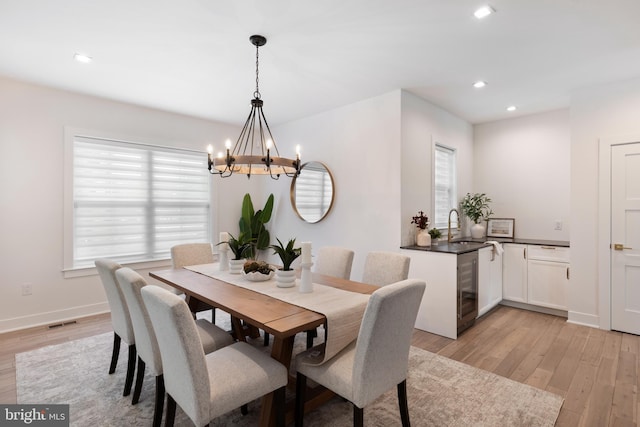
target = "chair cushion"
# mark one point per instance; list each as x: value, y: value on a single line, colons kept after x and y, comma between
x: 240, y: 373
x: 212, y: 336
x: 335, y: 374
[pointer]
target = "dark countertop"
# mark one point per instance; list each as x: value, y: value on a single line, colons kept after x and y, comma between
x: 464, y: 245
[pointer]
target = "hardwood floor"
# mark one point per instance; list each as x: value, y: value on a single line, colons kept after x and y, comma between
x: 597, y: 372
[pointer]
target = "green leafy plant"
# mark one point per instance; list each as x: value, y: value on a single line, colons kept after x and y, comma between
x: 476, y: 207
x: 287, y: 254
x: 421, y: 220
x: 435, y: 233
x: 239, y: 247
x: 252, y: 225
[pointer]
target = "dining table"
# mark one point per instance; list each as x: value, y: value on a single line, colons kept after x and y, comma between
x: 250, y: 306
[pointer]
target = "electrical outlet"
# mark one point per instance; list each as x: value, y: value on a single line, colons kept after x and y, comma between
x: 26, y: 289
x: 558, y: 224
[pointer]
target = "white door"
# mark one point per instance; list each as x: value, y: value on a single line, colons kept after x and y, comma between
x: 625, y: 238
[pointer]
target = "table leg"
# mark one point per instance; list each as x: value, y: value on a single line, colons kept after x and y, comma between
x: 281, y: 351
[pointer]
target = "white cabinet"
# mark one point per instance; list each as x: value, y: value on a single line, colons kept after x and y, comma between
x: 489, y: 279
x: 514, y: 272
x: 548, y: 276
x: 536, y: 275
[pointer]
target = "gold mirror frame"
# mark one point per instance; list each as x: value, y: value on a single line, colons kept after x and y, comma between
x: 324, y: 208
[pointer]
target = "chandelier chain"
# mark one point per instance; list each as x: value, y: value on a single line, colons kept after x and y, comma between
x: 256, y: 94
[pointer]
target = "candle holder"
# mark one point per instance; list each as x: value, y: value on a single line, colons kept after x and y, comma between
x: 223, y: 258
x: 306, y: 284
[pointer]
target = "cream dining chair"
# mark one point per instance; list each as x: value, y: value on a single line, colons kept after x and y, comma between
x: 383, y: 268
x: 211, y: 336
x: 378, y: 359
x: 120, y: 319
x: 207, y: 386
x: 193, y: 254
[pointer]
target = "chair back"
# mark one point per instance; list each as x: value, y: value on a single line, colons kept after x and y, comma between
x: 186, y: 376
x: 131, y: 283
x: 191, y: 254
x: 383, y: 268
x: 120, y: 318
x: 382, y: 349
x: 334, y: 261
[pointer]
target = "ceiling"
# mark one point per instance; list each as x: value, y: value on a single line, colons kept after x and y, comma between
x: 194, y: 56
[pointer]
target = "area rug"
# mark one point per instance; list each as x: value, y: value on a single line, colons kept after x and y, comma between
x: 441, y: 392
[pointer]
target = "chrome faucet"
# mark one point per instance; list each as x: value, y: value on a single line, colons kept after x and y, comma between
x: 449, y: 235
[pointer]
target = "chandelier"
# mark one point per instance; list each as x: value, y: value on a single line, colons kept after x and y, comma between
x: 255, y: 152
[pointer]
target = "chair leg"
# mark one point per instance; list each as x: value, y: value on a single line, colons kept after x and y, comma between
x: 139, y: 380
x: 358, y: 416
x: 278, y: 397
x: 213, y: 315
x: 244, y: 409
x: 115, y: 353
x: 131, y: 367
x: 311, y: 334
x: 159, y: 405
x: 171, y: 412
x: 301, y: 389
x: 266, y: 339
x: 402, y: 402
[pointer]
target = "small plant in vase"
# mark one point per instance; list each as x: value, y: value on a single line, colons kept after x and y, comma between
x: 257, y: 271
x: 435, y: 235
x: 423, y: 238
x: 476, y: 207
x: 286, y: 276
x: 240, y: 249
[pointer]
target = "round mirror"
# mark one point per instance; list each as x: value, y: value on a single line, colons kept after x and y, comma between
x: 312, y: 192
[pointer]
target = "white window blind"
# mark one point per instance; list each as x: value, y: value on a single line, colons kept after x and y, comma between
x: 132, y: 202
x: 445, y: 185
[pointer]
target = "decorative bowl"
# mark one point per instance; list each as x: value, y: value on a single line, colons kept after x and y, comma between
x: 256, y: 276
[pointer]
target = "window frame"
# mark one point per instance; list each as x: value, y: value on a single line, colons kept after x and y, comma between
x: 453, y: 188
x: 70, y: 134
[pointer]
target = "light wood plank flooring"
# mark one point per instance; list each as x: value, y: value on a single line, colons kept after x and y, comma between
x: 597, y: 372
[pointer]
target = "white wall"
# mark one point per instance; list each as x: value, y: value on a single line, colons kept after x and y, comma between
x: 424, y: 124
x: 359, y: 143
x: 598, y: 112
x: 523, y: 166
x: 32, y: 121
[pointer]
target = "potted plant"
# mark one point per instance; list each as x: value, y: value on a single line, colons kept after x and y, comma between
x: 476, y: 207
x: 252, y: 225
x: 422, y: 222
x: 286, y: 276
x: 257, y: 271
x: 435, y: 235
x: 239, y: 248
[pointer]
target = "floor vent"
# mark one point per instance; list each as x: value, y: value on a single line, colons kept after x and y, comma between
x: 57, y: 325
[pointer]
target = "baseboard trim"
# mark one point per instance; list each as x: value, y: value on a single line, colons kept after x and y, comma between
x: 52, y: 317
x: 584, y: 319
x: 536, y: 308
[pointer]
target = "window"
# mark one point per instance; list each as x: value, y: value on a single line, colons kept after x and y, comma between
x: 444, y: 184
x: 133, y: 202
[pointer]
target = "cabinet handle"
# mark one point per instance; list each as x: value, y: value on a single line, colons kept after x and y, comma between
x: 568, y: 273
x: 549, y: 247
x: 524, y: 253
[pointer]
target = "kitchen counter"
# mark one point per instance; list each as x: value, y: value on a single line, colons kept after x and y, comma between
x: 463, y: 245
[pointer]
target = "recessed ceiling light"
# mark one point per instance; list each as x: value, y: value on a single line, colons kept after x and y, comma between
x: 479, y: 84
x: 82, y: 58
x: 483, y: 12
x: 511, y: 108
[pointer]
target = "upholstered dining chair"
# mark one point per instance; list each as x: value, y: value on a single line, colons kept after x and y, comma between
x: 332, y: 261
x: 211, y: 336
x: 193, y: 254
x: 378, y: 359
x: 120, y: 319
x: 383, y: 268
x: 207, y: 386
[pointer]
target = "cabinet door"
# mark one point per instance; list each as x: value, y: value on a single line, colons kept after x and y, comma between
x: 496, y: 279
x: 514, y: 272
x: 548, y: 283
x: 484, y: 281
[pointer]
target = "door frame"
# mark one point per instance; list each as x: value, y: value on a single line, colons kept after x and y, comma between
x: 604, y: 223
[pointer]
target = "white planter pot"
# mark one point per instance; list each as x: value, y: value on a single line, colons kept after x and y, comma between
x: 477, y: 231
x: 423, y: 238
x: 285, y: 279
x: 236, y: 265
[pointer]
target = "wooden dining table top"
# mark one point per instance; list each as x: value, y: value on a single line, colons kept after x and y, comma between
x: 280, y: 319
